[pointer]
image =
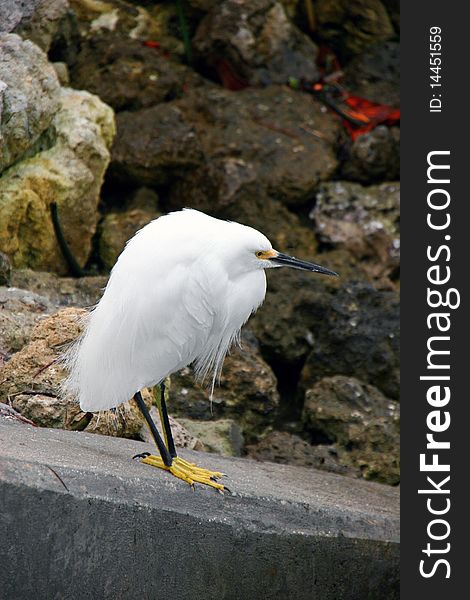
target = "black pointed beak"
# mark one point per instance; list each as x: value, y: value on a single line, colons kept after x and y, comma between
x: 284, y: 260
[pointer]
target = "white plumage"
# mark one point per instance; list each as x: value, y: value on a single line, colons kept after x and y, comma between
x: 179, y: 293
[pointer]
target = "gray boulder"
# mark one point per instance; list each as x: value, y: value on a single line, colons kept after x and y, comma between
x: 29, y: 96
x: 255, y: 40
x: 36, y: 20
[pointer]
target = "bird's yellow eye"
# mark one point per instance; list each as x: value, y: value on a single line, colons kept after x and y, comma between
x: 259, y: 254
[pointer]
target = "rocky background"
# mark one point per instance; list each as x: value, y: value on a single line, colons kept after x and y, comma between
x: 108, y: 112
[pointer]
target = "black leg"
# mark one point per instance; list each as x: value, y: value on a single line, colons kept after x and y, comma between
x: 164, y: 453
x: 166, y: 422
x: 75, y: 269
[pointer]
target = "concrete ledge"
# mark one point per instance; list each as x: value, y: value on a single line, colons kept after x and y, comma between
x: 80, y: 519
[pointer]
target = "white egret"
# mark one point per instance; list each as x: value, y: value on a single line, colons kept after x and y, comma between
x: 179, y: 293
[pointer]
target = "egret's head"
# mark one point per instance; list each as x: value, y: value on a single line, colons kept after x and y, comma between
x: 256, y: 251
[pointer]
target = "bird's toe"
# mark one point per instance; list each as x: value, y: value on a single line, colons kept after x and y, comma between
x: 141, y: 455
x: 182, y: 469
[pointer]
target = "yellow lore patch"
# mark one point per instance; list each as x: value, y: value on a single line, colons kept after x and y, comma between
x: 266, y: 254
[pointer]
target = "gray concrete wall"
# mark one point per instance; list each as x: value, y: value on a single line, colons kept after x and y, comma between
x: 80, y: 519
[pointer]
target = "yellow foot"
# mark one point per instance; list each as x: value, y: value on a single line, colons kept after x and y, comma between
x: 186, y: 471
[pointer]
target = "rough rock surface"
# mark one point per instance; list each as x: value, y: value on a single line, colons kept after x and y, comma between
x: 372, y: 157
x: 375, y: 74
x: 128, y: 75
x: 362, y: 422
x: 31, y: 381
x: 393, y: 9
x: 32, y: 296
x: 222, y: 436
x: 7, y: 413
x: 203, y: 5
x: 290, y: 449
x: 350, y: 26
x: 154, y: 145
x: 218, y: 148
x: 19, y: 311
x: 247, y: 392
x: 62, y: 73
x: 295, y: 306
x: 119, y: 20
x: 36, y: 20
x: 363, y: 220
x: 60, y: 291
x: 271, y: 141
x: 358, y: 336
x: 69, y: 171
x: 5, y: 269
x: 29, y: 96
x: 255, y: 40
x: 182, y: 436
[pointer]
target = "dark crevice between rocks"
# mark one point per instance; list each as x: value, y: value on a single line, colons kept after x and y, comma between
x: 290, y: 406
x: 206, y: 71
x: 82, y: 423
x: 191, y: 16
x: 94, y: 264
x: 326, y: 247
x: 114, y: 193
x: 66, y: 43
x: 395, y: 275
x: 316, y: 437
x: 164, y: 202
